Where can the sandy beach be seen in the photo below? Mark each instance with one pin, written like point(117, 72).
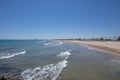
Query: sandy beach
point(90, 64)
point(109, 46)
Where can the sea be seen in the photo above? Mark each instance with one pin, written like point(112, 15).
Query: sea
point(55, 60)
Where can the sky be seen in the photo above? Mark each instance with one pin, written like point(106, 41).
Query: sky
point(48, 19)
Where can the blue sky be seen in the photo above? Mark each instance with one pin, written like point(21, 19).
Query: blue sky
point(45, 19)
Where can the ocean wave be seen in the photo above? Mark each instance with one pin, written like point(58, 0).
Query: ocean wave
point(7, 55)
point(58, 43)
point(46, 44)
point(53, 43)
point(48, 72)
point(65, 54)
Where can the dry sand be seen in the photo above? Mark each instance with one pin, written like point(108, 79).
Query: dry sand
point(110, 46)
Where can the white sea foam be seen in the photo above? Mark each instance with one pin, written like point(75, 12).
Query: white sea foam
point(7, 55)
point(65, 54)
point(58, 43)
point(48, 72)
point(46, 44)
point(53, 43)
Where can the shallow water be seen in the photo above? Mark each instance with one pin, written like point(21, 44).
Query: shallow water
point(51, 60)
point(33, 59)
point(90, 64)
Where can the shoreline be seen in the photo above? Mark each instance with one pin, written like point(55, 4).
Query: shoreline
point(81, 64)
point(108, 46)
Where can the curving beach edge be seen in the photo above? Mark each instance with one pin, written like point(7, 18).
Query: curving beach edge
point(107, 46)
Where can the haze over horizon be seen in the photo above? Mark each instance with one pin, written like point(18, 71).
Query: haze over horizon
point(47, 19)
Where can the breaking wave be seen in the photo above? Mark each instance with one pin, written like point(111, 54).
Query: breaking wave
point(46, 44)
point(58, 43)
point(65, 54)
point(7, 55)
point(53, 43)
point(48, 72)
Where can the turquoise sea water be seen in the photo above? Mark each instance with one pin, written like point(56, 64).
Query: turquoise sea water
point(51, 60)
point(33, 59)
